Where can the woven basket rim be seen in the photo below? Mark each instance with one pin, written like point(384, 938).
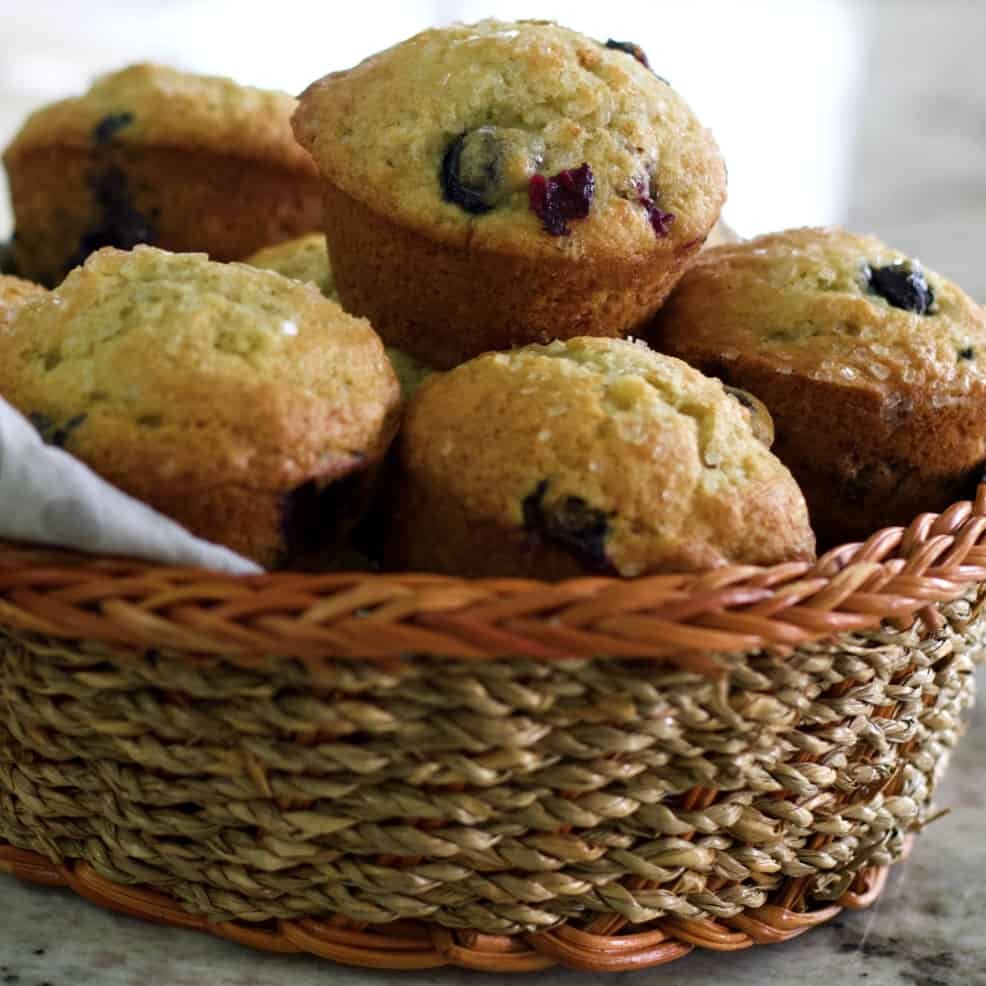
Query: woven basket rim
point(897, 575)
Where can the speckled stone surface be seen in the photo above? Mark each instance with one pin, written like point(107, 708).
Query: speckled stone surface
point(928, 929)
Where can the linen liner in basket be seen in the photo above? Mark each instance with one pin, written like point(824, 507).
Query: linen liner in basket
point(411, 771)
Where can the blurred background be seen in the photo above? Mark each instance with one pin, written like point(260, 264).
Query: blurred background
point(870, 113)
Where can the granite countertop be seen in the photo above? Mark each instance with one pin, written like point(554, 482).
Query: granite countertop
point(926, 930)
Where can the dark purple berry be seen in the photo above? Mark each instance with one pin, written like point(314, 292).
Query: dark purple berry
point(471, 190)
point(635, 51)
point(110, 126)
point(120, 224)
point(52, 433)
point(902, 285)
point(659, 219)
point(631, 49)
point(570, 524)
point(968, 353)
point(567, 195)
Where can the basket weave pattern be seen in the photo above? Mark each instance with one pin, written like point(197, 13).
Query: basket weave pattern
point(751, 753)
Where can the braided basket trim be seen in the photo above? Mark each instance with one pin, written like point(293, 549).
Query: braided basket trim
point(897, 574)
point(408, 945)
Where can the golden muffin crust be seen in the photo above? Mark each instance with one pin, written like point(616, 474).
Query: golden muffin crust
point(873, 368)
point(154, 105)
point(380, 132)
point(304, 258)
point(15, 292)
point(214, 392)
point(591, 455)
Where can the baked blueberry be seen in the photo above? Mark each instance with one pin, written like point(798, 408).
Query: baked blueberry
point(902, 285)
point(53, 433)
point(120, 223)
point(570, 523)
point(967, 353)
point(110, 126)
point(660, 220)
point(483, 166)
point(567, 195)
point(631, 49)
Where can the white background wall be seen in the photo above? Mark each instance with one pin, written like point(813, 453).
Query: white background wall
point(871, 112)
point(787, 145)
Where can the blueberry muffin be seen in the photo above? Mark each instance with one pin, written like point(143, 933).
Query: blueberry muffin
point(497, 184)
point(153, 155)
point(14, 292)
point(873, 368)
point(244, 405)
point(307, 259)
point(590, 455)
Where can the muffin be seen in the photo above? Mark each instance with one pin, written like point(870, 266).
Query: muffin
point(497, 184)
point(873, 369)
point(303, 258)
point(14, 292)
point(153, 155)
point(590, 455)
point(245, 406)
point(306, 259)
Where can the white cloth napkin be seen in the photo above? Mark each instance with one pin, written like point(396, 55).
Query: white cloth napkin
point(49, 497)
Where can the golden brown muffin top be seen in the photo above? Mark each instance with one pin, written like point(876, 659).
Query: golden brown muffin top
point(494, 103)
point(154, 105)
point(657, 467)
point(305, 258)
point(14, 292)
point(177, 370)
point(831, 305)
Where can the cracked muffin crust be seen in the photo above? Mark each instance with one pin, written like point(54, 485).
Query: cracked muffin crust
point(500, 183)
point(591, 455)
point(873, 368)
point(153, 155)
point(15, 292)
point(242, 404)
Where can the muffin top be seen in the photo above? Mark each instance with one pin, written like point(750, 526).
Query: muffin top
point(304, 258)
point(173, 369)
point(307, 259)
point(629, 460)
point(14, 292)
point(834, 306)
point(481, 134)
point(150, 104)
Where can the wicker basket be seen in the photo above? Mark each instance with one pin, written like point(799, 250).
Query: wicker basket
point(406, 772)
